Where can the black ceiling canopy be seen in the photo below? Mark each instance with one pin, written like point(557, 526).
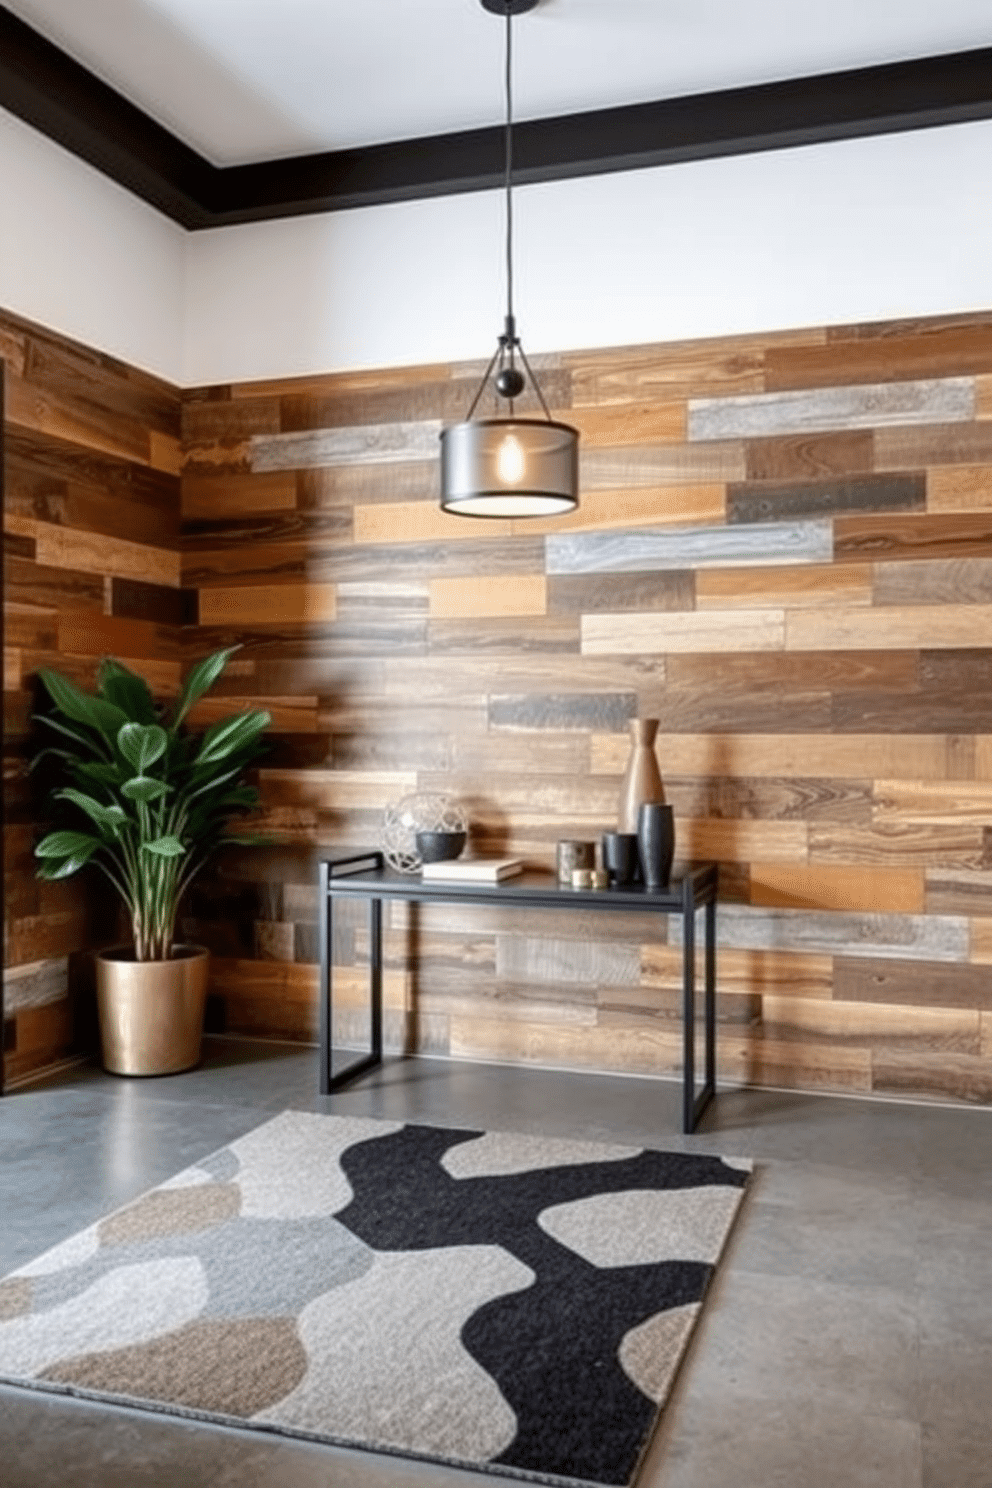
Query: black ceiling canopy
point(47, 89)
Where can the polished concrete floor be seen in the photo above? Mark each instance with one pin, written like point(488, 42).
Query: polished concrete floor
point(847, 1339)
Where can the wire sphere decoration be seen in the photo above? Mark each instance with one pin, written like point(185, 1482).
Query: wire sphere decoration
point(419, 812)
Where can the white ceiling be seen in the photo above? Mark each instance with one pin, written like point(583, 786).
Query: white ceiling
point(248, 80)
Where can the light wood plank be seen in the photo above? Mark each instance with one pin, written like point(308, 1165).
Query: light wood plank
point(645, 1050)
point(375, 444)
point(164, 452)
point(662, 465)
point(832, 933)
point(816, 586)
point(417, 522)
point(740, 841)
point(932, 802)
point(755, 1059)
point(675, 631)
point(872, 1025)
point(646, 422)
point(896, 844)
point(510, 594)
point(983, 397)
point(917, 626)
point(335, 789)
point(871, 406)
point(981, 941)
point(632, 506)
point(983, 757)
point(12, 673)
point(268, 604)
point(584, 963)
point(822, 886)
point(700, 547)
point(790, 756)
point(959, 488)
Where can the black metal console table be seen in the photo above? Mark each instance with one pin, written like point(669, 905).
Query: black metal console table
point(363, 876)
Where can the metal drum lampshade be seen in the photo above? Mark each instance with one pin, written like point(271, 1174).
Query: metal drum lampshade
point(511, 467)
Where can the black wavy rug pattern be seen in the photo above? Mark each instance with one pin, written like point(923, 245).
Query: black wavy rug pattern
point(552, 1349)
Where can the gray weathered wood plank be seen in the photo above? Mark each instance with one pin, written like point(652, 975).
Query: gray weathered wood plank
point(871, 406)
point(697, 547)
point(909, 937)
point(582, 962)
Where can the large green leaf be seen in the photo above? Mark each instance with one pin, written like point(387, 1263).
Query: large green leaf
point(200, 680)
point(126, 690)
point(141, 744)
point(145, 788)
point(67, 845)
point(52, 868)
point(106, 774)
point(79, 706)
point(164, 847)
point(229, 734)
point(109, 819)
point(85, 741)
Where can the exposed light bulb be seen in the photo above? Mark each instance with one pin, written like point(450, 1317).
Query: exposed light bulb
point(510, 462)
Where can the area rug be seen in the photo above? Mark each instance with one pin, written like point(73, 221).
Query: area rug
point(507, 1303)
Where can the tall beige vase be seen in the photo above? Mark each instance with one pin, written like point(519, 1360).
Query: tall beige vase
point(151, 1012)
point(642, 778)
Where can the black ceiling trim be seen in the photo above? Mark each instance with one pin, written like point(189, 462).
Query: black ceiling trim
point(42, 85)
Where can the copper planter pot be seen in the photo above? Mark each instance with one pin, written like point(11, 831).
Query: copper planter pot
point(151, 1012)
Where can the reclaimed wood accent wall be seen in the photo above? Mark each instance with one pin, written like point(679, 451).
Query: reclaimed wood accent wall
point(783, 552)
point(91, 567)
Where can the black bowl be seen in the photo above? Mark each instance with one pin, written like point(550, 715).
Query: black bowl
point(439, 847)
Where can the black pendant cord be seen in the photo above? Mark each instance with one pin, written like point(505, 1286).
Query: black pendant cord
point(508, 179)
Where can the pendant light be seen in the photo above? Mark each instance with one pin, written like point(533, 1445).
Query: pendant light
point(509, 466)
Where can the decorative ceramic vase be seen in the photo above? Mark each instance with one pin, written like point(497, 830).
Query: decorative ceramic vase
point(151, 1012)
point(642, 778)
point(656, 844)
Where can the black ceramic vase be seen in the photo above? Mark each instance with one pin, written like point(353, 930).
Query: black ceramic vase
point(656, 844)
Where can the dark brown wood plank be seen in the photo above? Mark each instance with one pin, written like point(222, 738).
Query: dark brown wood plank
point(877, 539)
point(809, 456)
point(782, 501)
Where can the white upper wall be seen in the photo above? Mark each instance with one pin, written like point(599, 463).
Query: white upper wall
point(873, 229)
point(84, 257)
point(870, 229)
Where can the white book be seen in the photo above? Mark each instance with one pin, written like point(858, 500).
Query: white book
point(472, 870)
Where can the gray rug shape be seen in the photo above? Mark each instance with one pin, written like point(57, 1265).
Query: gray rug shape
point(508, 1303)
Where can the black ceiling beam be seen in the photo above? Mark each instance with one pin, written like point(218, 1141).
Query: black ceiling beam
point(43, 86)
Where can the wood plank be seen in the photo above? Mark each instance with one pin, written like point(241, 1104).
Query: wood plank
point(756, 1059)
point(12, 669)
point(814, 585)
point(345, 486)
point(959, 488)
point(268, 604)
point(792, 500)
point(607, 711)
point(959, 891)
point(164, 453)
point(633, 506)
point(464, 598)
point(790, 756)
point(573, 594)
point(43, 411)
point(959, 1077)
point(616, 467)
point(983, 397)
point(983, 757)
point(132, 599)
point(376, 444)
point(701, 547)
point(869, 406)
point(832, 933)
point(702, 838)
point(876, 1026)
point(981, 942)
point(83, 634)
point(237, 495)
point(582, 963)
point(946, 352)
point(809, 799)
point(895, 626)
point(295, 715)
point(936, 581)
point(934, 444)
point(780, 674)
point(673, 631)
point(933, 802)
point(216, 420)
point(742, 973)
point(898, 844)
point(823, 886)
point(557, 635)
point(677, 369)
point(647, 1050)
point(86, 552)
point(912, 984)
point(646, 422)
point(876, 539)
point(332, 790)
point(42, 1037)
point(35, 984)
point(416, 522)
point(809, 456)
point(39, 587)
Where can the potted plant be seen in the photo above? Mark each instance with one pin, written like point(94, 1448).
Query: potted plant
point(154, 801)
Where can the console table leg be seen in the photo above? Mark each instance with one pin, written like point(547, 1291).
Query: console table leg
point(688, 1007)
point(324, 918)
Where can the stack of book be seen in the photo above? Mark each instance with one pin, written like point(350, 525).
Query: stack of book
point(472, 870)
